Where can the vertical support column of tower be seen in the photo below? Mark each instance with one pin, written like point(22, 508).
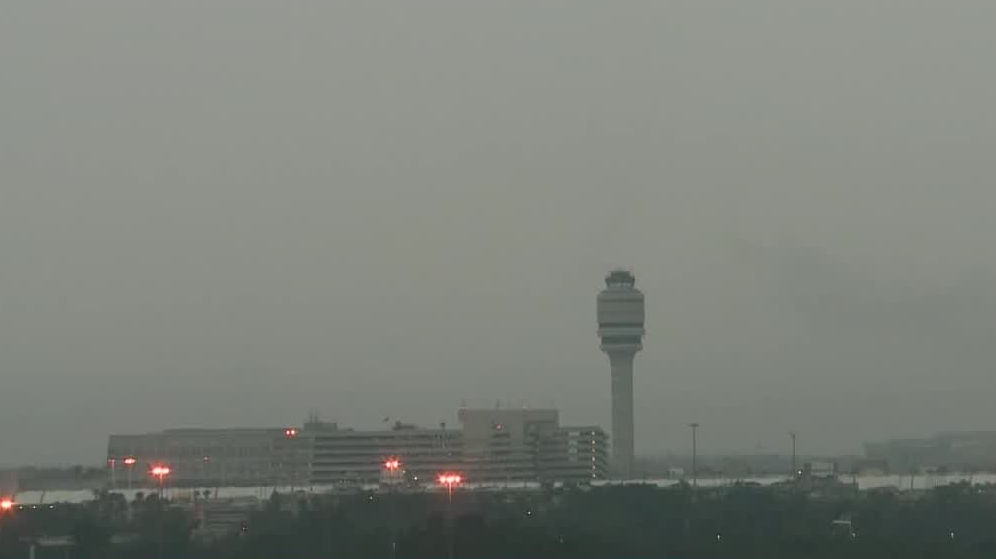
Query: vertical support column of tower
point(621, 365)
point(621, 329)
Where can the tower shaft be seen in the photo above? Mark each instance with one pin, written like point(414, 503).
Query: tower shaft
point(621, 364)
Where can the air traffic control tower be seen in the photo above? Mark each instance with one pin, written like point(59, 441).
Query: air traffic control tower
point(620, 326)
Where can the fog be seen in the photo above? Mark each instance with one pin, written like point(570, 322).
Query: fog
point(228, 213)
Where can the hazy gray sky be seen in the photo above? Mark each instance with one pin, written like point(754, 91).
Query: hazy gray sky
point(226, 213)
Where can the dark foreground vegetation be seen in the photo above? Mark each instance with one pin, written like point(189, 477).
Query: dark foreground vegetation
point(606, 523)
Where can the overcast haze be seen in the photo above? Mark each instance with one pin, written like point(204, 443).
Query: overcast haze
point(226, 213)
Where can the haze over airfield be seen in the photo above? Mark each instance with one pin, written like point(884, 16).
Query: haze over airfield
point(227, 213)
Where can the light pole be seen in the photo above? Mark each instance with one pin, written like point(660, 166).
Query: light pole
point(129, 463)
point(795, 471)
point(5, 505)
point(161, 472)
point(393, 465)
point(204, 468)
point(695, 472)
point(449, 480)
point(290, 434)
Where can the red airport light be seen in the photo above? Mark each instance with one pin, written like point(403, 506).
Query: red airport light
point(290, 433)
point(160, 471)
point(450, 479)
point(392, 464)
point(129, 461)
point(6, 504)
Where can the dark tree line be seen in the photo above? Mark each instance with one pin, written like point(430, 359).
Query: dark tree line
point(634, 521)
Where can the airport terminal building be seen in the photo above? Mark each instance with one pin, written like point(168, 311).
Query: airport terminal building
point(211, 457)
point(959, 451)
point(491, 446)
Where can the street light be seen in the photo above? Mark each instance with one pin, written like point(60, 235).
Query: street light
point(794, 470)
point(5, 505)
point(695, 481)
point(204, 469)
point(393, 465)
point(161, 472)
point(129, 463)
point(450, 480)
point(289, 433)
